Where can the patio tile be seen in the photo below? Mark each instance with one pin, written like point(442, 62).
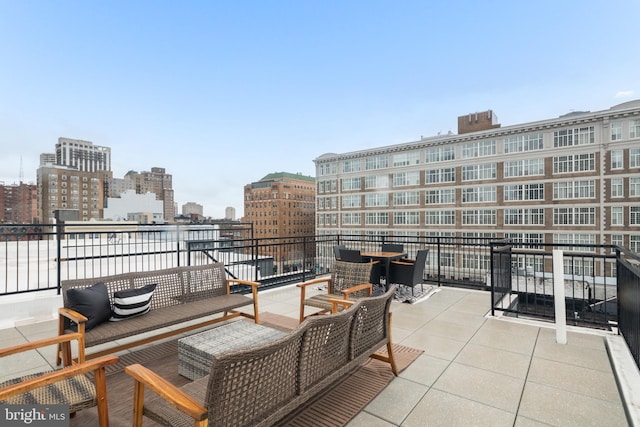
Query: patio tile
point(584, 340)
point(442, 409)
point(365, 419)
point(563, 408)
point(573, 355)
point(425, 370)
point(460, 318)
point(594, 383)
point(490, 388)
point(21, 364)
point(447, 329)
point(528, 422)
point(492, 359)
point(397, 400)
point(433, 345)
point(506, 339)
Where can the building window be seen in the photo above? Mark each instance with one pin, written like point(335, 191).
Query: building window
point(574, 216)
point(572, 137)
point(378, 162)
point(530, 238)
point(350, 184)
point(617, 159)
point(406, 159)
point(524, 216)
point(520, 143)
point(479, 217)
point(478, 149)
point(406, 218)
point(524, 167)
point(405, 198)
point(439, 154)
point(377, 218)
point(574, 163)
point(376, 181)
point(634, 158)
point(616, 131)
point(351, 166)
point(479, 194)
point(479, 172)
point(584, 189)
point(441, 196)
point(576, 239)
point(440, 217)
point(351, 218)
point(518, 192)
point(617, 215)
point(376, 199)
point(634, 128)
point(617, 187)
point(350, 201)
point(617, 239)
point(435, 176)
point(402, 179)
point(634, 187)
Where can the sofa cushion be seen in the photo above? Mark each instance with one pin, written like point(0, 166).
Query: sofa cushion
point(132, 302)
point(92, 302)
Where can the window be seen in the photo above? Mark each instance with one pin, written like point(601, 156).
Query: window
point(519, 192)
point(584, 189)
point(351, 166)
point(377, 218)
point(576, 239)
point(617, 239)
point(376, 181)
point(406, 159)
point(479, 172)
point(571, 137)
point(479, 194)
point(616, 131)
point(350, 184)
point(478, 149)
point(401, 179)
point(351, 218)
point(442, 196)
point(530, 238)
point(634, 128)
point(406, 218)
point(524, 167)
point(378, 162)
point(440, 217)
point(439, 154)
point(351, 201)
point(520, 143)
point(479, 217)
point(617, 187)
point(634, 158)
point(376, 199)
point(574, 163)
point(574, 216)
point(634, 187)
point(617, 215)
point(634, 215)
point(524, 216)
point(405, 198)
point(634, 243)
point(616, 159)
point(440, 175)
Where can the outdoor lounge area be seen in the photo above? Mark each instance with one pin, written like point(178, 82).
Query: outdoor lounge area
point(466, 368)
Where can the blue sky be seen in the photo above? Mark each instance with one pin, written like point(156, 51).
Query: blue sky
point(223, 93)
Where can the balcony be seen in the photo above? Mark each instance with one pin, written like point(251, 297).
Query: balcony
point(476, 368)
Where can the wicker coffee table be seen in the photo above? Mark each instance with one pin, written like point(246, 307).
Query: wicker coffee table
point(195, 351)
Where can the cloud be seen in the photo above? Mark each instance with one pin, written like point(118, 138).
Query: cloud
point(624, 94)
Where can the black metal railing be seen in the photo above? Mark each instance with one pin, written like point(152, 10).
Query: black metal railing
point(628, 306)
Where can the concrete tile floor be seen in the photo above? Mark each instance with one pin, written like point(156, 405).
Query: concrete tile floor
point(475, 369)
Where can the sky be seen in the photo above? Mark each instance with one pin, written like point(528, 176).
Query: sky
point(222, 93)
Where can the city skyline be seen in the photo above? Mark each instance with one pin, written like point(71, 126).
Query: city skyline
point(221, 95)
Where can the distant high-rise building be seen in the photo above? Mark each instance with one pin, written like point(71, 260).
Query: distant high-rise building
point(230, 213)
point(191, 208)
point(82, 155)
point(19, 203)
point(158, 182)
point(47, 159)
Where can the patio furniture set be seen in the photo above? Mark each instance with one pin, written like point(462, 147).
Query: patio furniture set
point(243, 373)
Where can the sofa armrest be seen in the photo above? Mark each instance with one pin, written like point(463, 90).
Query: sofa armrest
point(72, 315)
point(177, 398)
point(335, 302)
point(254, 294)
point(365, 286)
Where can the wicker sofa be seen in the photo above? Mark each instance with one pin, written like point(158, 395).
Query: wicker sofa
point(261, 385)
point(191, 294)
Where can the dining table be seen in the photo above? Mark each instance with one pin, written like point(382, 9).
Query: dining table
point(385, 258)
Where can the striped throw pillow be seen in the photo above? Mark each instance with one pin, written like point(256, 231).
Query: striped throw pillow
point(132, 302)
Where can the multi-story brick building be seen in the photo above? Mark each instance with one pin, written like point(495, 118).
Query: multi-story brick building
point(571, 179)
point(19, 203)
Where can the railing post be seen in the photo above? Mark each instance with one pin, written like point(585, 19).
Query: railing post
point(59, 229)
point(558, 293)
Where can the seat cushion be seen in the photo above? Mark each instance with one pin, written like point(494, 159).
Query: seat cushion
point(92, 302)
point(132, 302)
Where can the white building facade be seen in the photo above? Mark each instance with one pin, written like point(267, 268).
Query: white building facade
point(143, 208)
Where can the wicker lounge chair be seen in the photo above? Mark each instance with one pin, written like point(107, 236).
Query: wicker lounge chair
point(67, 386)
point(348, 279)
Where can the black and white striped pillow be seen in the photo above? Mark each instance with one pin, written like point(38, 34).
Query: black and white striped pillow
point(132, 302)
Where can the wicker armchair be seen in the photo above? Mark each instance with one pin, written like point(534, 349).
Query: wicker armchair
point(348, 279)
point(67, 386)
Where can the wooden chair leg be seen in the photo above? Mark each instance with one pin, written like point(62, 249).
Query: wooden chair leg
point(101, 396)
point(138, 403)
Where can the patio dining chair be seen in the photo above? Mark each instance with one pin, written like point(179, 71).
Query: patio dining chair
point(66, 386)
point(392, 247)
point(354, 255)
point(409, 272)
point(347, 280)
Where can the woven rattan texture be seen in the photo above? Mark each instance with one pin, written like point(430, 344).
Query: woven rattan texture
point(343, 276)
